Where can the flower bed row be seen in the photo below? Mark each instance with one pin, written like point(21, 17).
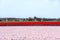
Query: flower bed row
point(29, 23)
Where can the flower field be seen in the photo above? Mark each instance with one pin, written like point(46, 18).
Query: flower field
point(29, 23)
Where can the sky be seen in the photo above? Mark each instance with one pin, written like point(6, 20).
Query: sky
point(30, 8)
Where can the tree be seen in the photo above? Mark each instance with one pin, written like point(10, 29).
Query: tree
point(30, 19)
point(35, 17)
